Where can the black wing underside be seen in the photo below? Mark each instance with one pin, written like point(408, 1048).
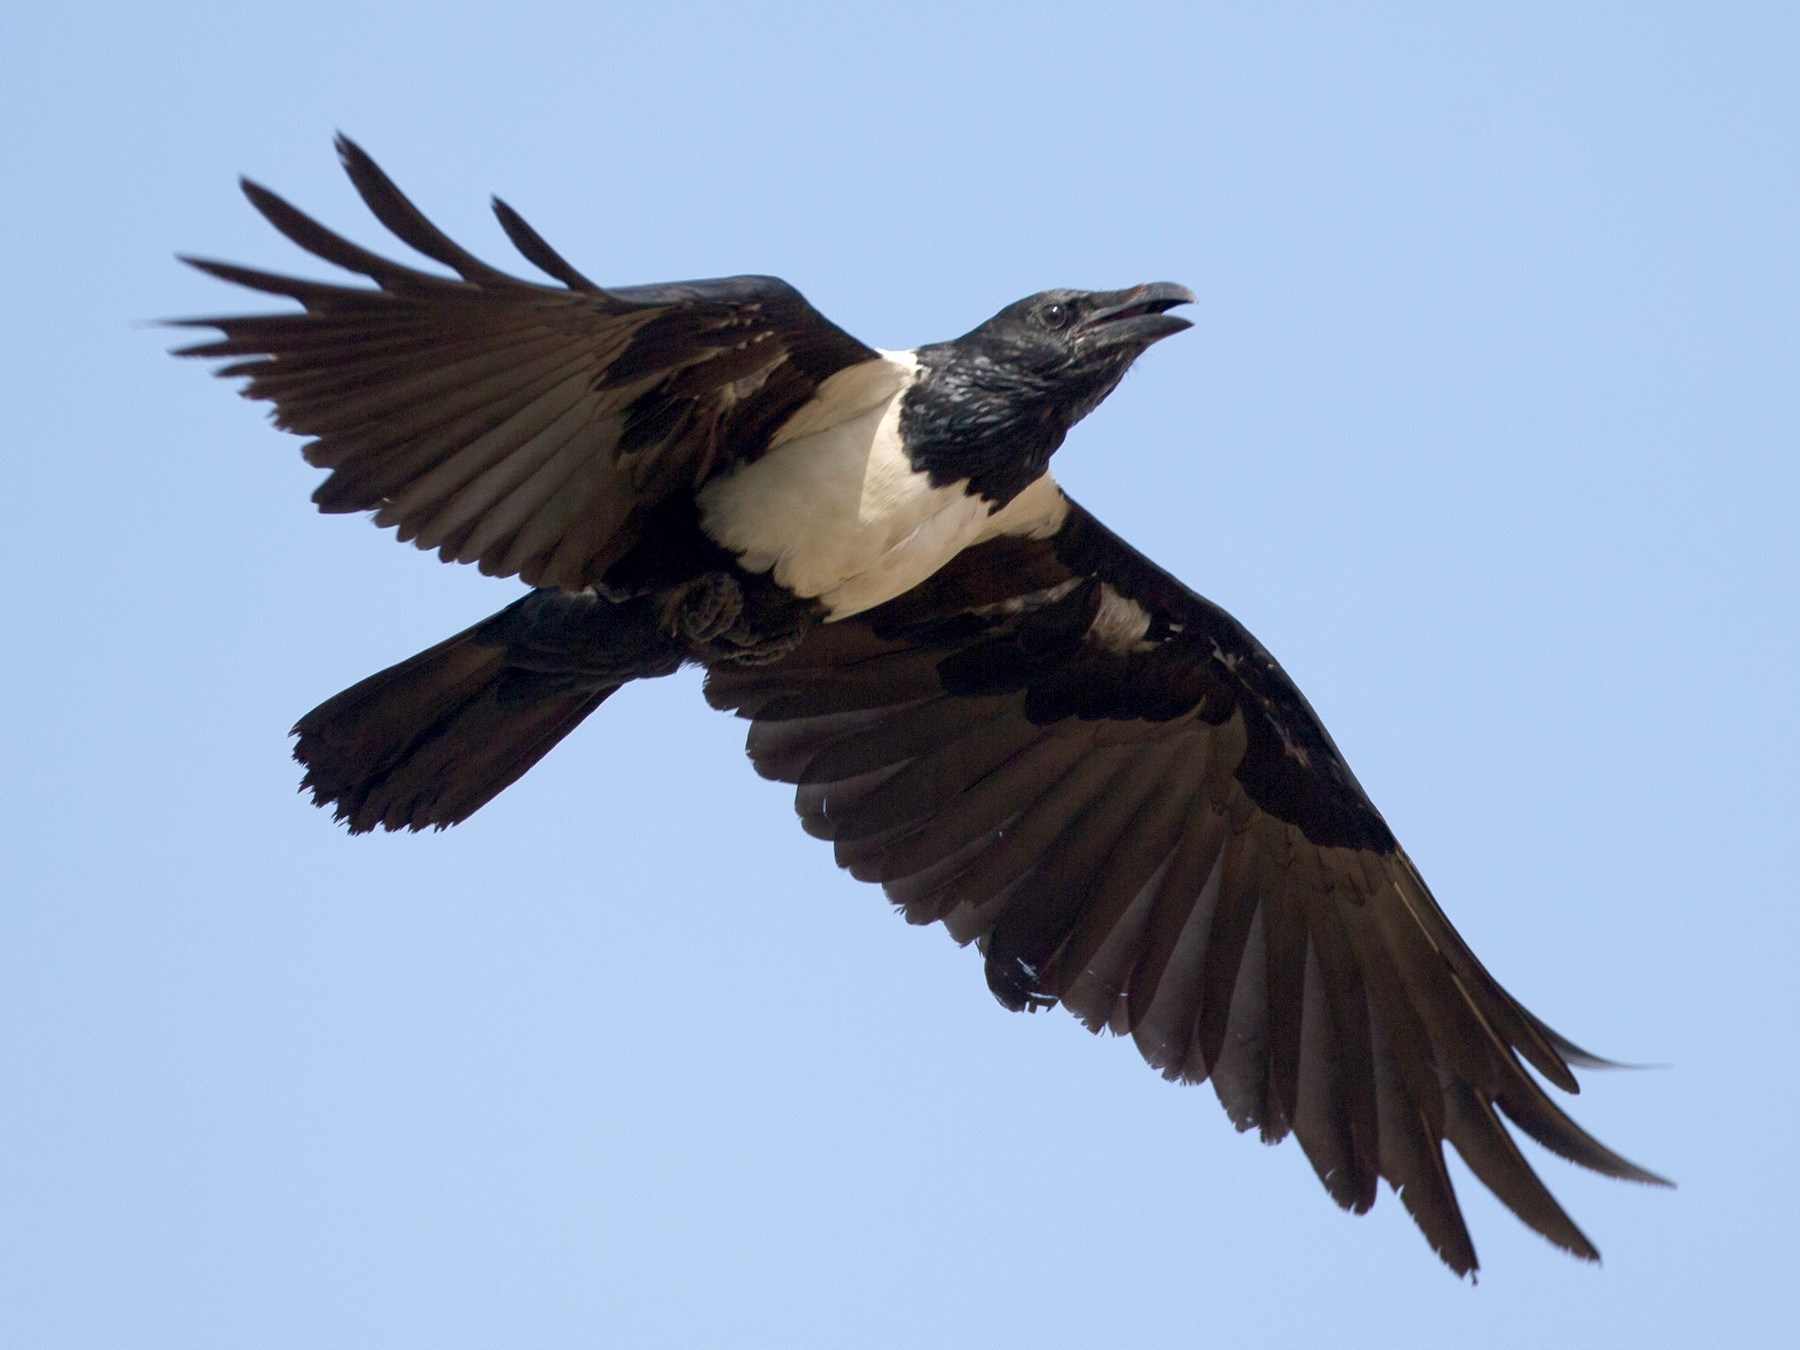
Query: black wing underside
point(1066, 757)
point(528, 428)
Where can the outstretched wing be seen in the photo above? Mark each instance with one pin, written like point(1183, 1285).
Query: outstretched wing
point(1102, 779)
point(528, 428)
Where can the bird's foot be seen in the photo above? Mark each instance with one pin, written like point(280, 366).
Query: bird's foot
point(712, 614)
point(762, 651)
point(708, 607)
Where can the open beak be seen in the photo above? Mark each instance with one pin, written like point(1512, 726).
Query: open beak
point(1139, 315)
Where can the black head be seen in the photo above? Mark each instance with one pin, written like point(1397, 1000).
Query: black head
point(997, 402)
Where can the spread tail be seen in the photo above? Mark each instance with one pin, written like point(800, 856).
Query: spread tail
point(430, 741)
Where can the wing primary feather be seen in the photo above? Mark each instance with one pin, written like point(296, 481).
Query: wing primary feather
point(1347, 1006)
point(1572, 1053)
point(1498, 1007)
point(1412, 1159)
point(1460, 1036)
point(303, 230)
point(308, 382)
point(538, 253)
point(254, 279)
point(395, 210)
point(1321, 1113)
point(1402, 1025)
point(1497, 1163)
point(1285, 943)
point(1527, 1106)
point(1241, 1066)
point(399, 409)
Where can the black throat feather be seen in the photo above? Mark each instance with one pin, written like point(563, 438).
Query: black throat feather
point(984, 415)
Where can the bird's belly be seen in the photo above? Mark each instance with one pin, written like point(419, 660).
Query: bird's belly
point(840, 514)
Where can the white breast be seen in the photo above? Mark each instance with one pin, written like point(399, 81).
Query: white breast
point(836, 510)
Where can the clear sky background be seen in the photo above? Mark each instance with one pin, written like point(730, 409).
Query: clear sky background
point(1488, 429)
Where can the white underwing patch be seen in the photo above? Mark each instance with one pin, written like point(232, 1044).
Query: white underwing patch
point(1120, 623)
point(1034, 600)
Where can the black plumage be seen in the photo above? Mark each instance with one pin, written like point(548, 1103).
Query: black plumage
point(990, 704)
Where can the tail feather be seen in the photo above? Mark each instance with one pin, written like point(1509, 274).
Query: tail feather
point(428, 742)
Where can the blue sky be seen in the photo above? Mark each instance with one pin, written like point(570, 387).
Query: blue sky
point(1487, 429)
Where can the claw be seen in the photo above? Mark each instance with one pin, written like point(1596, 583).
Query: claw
point(709, 606)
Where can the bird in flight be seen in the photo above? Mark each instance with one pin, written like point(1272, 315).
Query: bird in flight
point(988, 702)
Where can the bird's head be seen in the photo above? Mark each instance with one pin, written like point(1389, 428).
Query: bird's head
point(996, 402)
point(1068, 349)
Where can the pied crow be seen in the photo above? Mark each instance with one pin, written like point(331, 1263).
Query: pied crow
point(988, 702)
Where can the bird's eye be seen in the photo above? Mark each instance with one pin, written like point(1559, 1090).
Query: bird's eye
point(1054, 316)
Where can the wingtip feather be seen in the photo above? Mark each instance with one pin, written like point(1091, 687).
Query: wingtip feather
point(536, 251)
